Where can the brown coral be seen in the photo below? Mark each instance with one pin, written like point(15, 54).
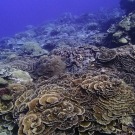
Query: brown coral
point(32, 125)
point(16, 90)
point(87, 105)
point(6, 107)
point(51, 66)
point(21, 103)
point(115, 107)
point(54, 108)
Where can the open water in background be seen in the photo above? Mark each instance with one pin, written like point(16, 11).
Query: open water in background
point(16, 14)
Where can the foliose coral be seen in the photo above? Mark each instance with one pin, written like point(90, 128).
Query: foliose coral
point(89, 105)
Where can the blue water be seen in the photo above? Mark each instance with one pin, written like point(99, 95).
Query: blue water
point(16, 14)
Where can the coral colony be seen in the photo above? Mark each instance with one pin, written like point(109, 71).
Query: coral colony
point(73, 76)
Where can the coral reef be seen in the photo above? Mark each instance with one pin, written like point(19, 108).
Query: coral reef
point(122, 33)
point(23, 63)
point(77, 90)
point(67, 30)
point(77, 57)
point(89, 105)
point(74, 88)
